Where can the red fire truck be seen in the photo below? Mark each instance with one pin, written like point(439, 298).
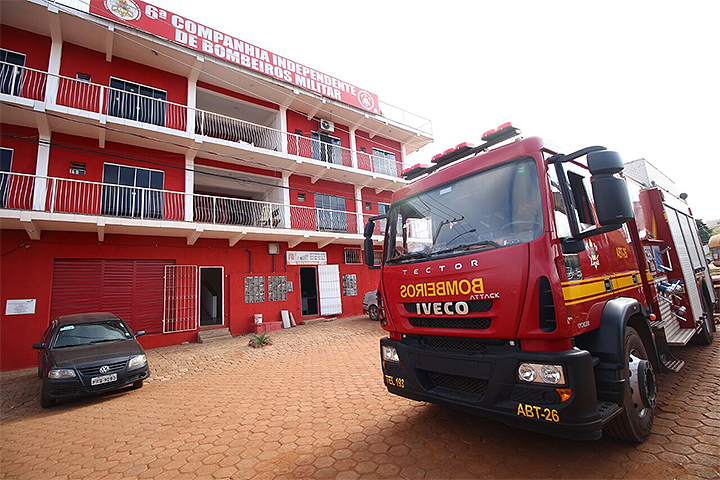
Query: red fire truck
point(526, 285)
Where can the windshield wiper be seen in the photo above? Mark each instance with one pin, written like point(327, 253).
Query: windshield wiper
point(105, 340)
point(409, 256)
point(469, 246)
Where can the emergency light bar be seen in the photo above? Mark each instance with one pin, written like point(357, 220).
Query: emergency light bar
point(492, 137)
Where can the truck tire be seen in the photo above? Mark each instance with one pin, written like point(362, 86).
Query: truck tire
point(373, 312)
point(705, 335)
point(636, 420)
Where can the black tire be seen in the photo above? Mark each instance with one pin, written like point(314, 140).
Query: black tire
point(705, 335)
point(633, 424)
point(373, 312)
point(137, 384)
point(46, 401)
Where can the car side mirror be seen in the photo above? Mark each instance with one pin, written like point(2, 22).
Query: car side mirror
point(39, 346)
point(139, 333)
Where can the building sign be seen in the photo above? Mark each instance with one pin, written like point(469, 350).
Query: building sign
point(154, 20)
point(306, 258)
point(20, 307)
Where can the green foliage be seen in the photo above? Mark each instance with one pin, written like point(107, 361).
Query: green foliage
point(259, 340)
point(705, 232)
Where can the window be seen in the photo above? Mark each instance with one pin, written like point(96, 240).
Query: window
point(368, 205)
point(562, 221)
point(377, 257)
point(353, 256)
point(301, 197)
point(136, 102)
point(331, 214)
point(326, 148)
point(132, 192)
point(254, 289)
point(11, 71)
point(6, 155)
point(83, 77)
point(384, 162)
point(578, 183)
point(277, 288)
point(77, 168)
point(349, 285)
point(382, 210)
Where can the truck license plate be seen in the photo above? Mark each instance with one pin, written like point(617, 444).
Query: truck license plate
point(104, 379)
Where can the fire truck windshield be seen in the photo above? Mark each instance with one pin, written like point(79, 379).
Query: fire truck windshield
point(492, 208)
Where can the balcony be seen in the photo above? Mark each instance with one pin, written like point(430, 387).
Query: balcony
point(80, 98)
point(65, 201)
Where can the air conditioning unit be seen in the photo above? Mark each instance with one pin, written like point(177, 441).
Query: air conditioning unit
point(327, 126)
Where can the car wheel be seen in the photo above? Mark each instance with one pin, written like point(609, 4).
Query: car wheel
point(45, 400)
point(705, 335)
point(137, 384)
point(373, 312)
point(636, 420)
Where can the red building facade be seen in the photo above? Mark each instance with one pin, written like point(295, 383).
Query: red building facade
point(143, 175)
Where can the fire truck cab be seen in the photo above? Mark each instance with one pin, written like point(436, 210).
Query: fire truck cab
point(517, 284)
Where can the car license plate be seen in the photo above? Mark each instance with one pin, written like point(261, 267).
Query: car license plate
point(104, 379)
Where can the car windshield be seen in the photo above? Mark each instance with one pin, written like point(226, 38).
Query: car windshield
point(91, 333)
point(493, 208)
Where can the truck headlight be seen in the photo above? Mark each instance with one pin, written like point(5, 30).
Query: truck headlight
point(541, 373)
point(390, 354)
point(61, 373)
point(137, 361)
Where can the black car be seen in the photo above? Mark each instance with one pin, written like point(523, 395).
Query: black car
point(89, 353)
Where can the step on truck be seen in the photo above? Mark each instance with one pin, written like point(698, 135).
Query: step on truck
point(538, 288)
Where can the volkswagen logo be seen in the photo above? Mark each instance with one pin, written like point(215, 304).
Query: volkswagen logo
point(104, 369)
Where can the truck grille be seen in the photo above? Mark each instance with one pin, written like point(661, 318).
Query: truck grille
point(95, 371)
point(454, 343)
point(450, 322)
point(473, 386)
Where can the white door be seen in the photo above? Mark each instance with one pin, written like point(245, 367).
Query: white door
point(330, 296)
point(182, 306)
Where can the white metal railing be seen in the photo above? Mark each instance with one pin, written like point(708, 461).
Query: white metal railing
point(23, 82)
point(87, 96)
point(60, 195)
point(406, 118)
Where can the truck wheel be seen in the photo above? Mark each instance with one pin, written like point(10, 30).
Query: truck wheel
point(636, 420)
point(705, 335)
point(373, 312)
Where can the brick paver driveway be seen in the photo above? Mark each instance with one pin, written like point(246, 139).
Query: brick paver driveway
point(314, 405)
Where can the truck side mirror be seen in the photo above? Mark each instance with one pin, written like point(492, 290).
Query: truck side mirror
point(369, 252)
point(612, 199)
point(369, 228)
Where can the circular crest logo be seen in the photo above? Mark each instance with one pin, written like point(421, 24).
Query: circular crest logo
point(123, 9)
point(104, 369)
point(366, 100)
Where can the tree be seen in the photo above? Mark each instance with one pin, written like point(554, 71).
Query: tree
point(705, 232)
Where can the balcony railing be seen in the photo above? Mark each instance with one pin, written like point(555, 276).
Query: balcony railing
point(61, 195)
point(100, 99)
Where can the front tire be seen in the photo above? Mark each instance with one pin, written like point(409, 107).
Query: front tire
point(137, 384)
point(636, 420)
point(45, 400)
point(373, 312)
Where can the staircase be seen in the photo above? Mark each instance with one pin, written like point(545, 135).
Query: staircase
point(213, 335)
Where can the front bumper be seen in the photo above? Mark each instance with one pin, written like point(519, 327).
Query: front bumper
point(80, 386)
point(484, 382)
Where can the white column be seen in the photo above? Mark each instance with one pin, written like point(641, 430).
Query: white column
point(359, 208)
point(353, 147)
point(282, 116)
point(189, 184)
point(41, 171)
point(53, 71)
point(286, 199)
point(402, 158)
point(191, 103)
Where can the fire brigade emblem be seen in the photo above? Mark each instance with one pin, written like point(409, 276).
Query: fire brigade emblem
point(593, 254)
point(366, 100)
point(123, 9)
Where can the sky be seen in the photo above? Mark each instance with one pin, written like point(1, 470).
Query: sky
point(641, 78)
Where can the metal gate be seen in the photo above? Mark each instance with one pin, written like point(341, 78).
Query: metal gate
point(181, 305)
point(330, 297)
